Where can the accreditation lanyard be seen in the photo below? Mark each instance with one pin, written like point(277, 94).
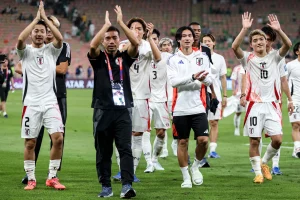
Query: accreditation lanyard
point(5, 80)
point(117, 88)
point(110, 70)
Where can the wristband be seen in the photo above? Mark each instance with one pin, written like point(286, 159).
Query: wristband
point(242, 95)
point(225, 96)
point(193, 77)
point(290, 101)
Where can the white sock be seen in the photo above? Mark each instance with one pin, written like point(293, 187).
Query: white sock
point(157, 148)
point(136, 150)
point(53, 167)
point(117, 157)
point(147, 148)
point(237, 121)
point(29, 167)
point(165, 147)
point(255, 162)
point(275, 159)
point(196, 163)
point(212, 147)
point(270, 153)
point(260, 146)
point(296, 146)
point(185, 173)
point(4, 113)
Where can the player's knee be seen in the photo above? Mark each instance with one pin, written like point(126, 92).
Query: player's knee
point(30, 144)
point(295, 126)
point(160, 133)
point(183, 142)
point(57, 140)
point(213, 123)
point(202, 141)
point(254, 142)
point(137, 133)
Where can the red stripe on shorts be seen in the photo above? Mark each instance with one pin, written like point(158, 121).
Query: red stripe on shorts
point(23, 113)
point(248, 111)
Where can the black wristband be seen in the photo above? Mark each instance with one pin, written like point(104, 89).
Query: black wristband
point(242, 95)
point(193, 77)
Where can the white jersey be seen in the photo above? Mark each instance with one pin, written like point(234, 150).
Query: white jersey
point(189, 95)
point(158, 79)
point(293, 69)
point(219, 69)
point(39, 71)
point(139, 72)
point(261, 76)
point(236, 76)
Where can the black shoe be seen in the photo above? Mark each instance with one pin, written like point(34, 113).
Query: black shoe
point(5, 116)
point(25, 180)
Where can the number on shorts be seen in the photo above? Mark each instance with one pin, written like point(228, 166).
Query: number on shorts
point(253, 121)
point(26, 121)
point(136, 67)
point(155, 74)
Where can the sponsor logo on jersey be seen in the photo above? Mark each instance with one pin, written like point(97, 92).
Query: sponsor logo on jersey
point(40, 60)
point(180, 62)
point(199, 61)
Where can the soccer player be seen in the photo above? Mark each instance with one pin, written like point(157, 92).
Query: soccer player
point(62, 63)
point(262, 112)
point(40, 106)
point(219, 72)
point(237, 75)
point(158, 102)
point(293, 68)
point(282, 84)
point(188, 73)
point(112, 103)
point(5, 86)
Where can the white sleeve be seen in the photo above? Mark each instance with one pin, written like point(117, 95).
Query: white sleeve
point(55, 51)
point(22, 53)
point(175, 77)
point(288, 67)
point(223, 69)
point(282, 68)
point(243, 60)
point(278, 57)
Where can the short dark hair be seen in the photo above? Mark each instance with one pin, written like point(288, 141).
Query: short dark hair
point(296, 48)
point(194, 23)
point(269, 32)
point(113, 28)
point(139, 20)
point(155, 31)
point(42, 22)
point(3, 57)
point(178, 34)
point(211, 37)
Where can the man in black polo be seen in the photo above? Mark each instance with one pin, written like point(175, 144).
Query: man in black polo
point(7, 76)
point(112, 102)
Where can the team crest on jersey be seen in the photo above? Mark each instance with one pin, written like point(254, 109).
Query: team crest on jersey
point(199, 61)
point(40, 60)
point(153, 65)
point(263, 64)
point(117, 61)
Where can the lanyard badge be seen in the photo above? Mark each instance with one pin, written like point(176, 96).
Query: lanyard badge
point(5, 80)
point(117, 88)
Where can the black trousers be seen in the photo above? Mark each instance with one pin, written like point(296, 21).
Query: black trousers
point(62, 103)
point(110, 125)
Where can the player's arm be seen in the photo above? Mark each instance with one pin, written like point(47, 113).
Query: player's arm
point(26, 32)
point(62, 68)
point(58, 42)
point(224, 89)
point(286, 90)
point(18, 68)
point(12, 83)
point(243, 91)
point(275, 25)
point(236, 45)
point(94, 50)
point(64, 60)
point(155, 51)
point(233, 86)
point(133, 47)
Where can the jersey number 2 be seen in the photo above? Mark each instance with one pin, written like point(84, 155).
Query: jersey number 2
point(26, 122)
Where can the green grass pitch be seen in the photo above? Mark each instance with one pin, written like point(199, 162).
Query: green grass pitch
point(228, 178)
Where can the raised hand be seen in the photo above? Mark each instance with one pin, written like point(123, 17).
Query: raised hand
point(107, 21)
point(149, 29)
point(274, 23)
point(246, 20)
point(42, 10)
point(118, 11)
point(38, 15)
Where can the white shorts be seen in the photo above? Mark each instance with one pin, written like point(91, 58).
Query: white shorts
point(261, 116)
point(240, 108)
point(218, 115)
point(159, 115)
point(295, 117)
point(170, 107)
point(34, 117)
point(140, 115)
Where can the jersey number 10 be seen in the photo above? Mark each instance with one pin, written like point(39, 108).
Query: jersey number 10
point(263, 74)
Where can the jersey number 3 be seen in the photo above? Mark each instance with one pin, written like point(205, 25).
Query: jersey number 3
point(155, 74)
